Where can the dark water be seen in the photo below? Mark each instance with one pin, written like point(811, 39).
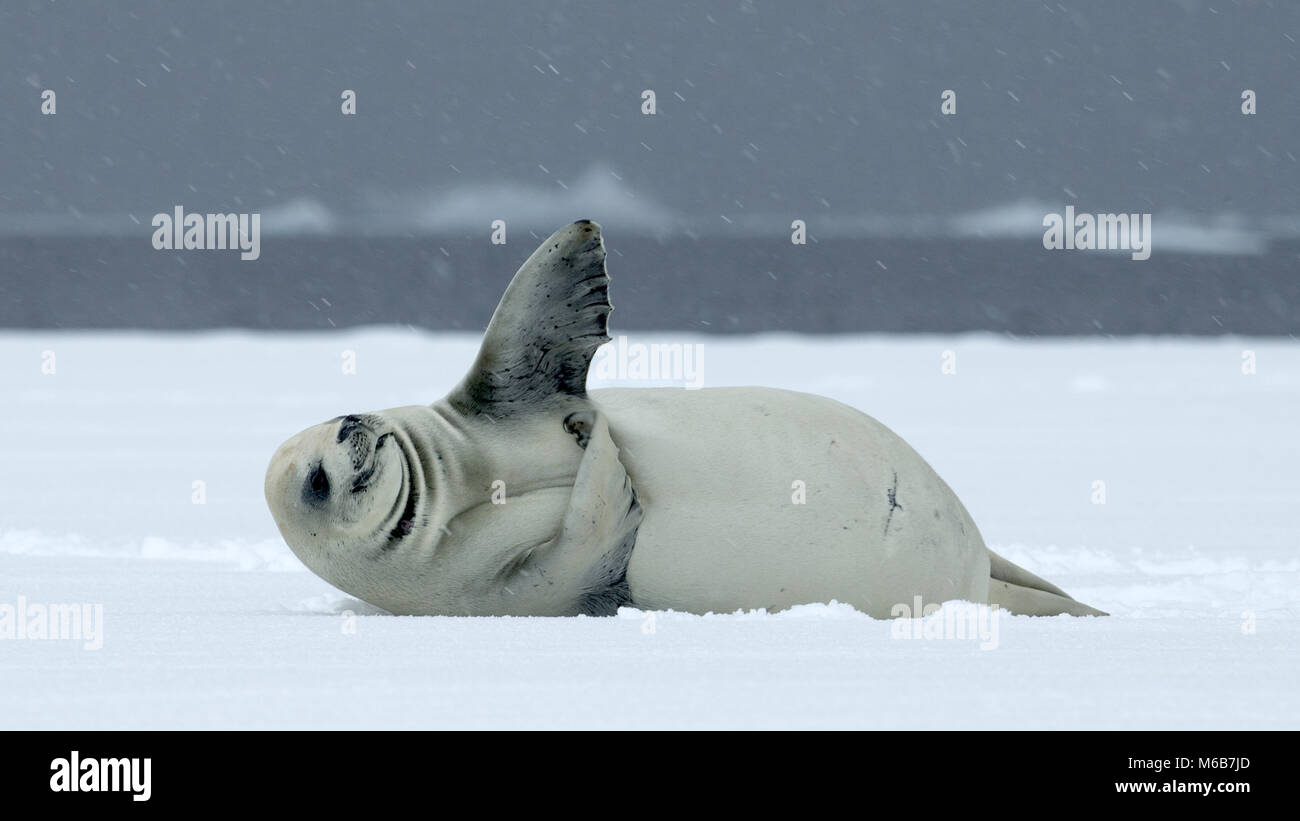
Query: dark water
point(704, 285)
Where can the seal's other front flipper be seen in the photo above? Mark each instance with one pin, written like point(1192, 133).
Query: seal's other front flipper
point(548, 325)
point(544, 552)
point(600, 526)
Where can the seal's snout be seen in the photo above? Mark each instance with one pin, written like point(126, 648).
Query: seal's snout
point(349, 425)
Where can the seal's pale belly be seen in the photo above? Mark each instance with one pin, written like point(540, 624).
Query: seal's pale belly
point(716, 471)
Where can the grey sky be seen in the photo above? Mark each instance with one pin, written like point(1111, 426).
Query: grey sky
point(808, 108)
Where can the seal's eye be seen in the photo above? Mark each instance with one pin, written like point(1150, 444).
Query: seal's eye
point(318, 484)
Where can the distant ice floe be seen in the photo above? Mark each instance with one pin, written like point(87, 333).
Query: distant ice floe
point(600, 193)
point(1171, 231)
point(298, 217)
point(597, 195)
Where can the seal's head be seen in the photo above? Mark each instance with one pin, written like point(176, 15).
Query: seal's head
point(336, 483)
point(507, 496)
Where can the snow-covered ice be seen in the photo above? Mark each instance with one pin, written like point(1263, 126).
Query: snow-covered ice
point(209, 621)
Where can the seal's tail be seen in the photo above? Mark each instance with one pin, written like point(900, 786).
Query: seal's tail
point(1025, 594)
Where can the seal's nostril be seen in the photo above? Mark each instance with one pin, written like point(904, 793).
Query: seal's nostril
point(347, 425)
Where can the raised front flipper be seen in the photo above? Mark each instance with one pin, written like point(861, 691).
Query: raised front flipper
point(548, 325)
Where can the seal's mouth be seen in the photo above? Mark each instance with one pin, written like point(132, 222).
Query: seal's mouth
point(371, 468)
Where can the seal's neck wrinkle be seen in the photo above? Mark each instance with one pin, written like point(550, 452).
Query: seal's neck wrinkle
point(434, 474)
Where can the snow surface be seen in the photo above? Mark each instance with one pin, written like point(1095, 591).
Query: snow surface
point(210, 621)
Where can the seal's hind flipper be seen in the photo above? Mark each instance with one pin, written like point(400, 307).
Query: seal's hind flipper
point(1030, 601)
point(1025, 594)
point(548, 325)
point(1001, 569)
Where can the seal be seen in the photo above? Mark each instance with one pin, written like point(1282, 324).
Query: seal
point(520, 493)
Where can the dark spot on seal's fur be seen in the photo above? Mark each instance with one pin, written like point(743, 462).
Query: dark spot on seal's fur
point(579, 425)
point(892, 494)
